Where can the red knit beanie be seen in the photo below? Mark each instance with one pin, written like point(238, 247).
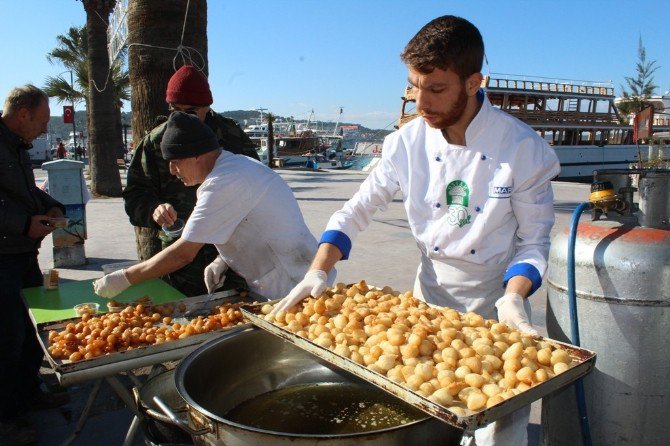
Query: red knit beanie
point(188, 86)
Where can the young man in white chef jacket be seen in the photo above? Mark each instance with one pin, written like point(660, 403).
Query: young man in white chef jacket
point(243, 208)
point(475, 183)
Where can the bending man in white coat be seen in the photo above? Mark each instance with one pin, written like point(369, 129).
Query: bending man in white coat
point(243, 208)
point(475, 183)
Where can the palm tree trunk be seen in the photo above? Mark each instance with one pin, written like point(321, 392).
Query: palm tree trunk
point(158, 24)
point(103, 139)
point(147, 243)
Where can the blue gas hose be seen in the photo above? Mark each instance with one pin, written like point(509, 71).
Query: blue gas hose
point(574, 326)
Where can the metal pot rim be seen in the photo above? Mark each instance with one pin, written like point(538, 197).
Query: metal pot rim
point(179, 377)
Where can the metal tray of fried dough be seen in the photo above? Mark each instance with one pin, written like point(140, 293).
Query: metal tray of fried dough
point(582, 363)
point(69, 372)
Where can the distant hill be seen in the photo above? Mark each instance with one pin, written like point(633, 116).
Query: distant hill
point(251, 116)
point(243, 117)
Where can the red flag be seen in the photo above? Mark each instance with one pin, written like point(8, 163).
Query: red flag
point(68, 114)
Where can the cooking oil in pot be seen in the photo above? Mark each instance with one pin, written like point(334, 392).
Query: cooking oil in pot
point(324, 409)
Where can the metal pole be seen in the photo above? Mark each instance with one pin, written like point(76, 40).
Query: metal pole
point(74, 127)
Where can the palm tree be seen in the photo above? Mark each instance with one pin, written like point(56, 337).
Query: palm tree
point(72, 53)
point(271, 139)
point(154, 26)
point(641, 86)
point(104, 139)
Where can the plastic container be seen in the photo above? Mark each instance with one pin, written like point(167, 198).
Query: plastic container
point(175, 230)
point(50, 279)
point(86, 308)
point(115, 307)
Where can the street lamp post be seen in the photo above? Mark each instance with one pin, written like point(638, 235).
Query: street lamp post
point(74, 126)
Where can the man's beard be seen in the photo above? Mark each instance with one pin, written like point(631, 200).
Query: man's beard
point(453, 115)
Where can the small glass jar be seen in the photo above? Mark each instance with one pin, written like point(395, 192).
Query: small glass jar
point(50, 279)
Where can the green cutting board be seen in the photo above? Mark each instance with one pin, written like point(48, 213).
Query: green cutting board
point(56, 305)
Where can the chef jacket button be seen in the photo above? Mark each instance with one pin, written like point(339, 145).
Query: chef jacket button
point(437, 158)
point(437, 205)
point(483, 157)
point(472, 251)
point(477, 209)
point(436, 249)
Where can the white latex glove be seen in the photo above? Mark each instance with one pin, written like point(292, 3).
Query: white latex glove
point(112, 284)
point(215, 274)
point(314, 283)
point(511, 311)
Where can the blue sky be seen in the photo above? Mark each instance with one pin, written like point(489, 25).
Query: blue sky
point(294, 56)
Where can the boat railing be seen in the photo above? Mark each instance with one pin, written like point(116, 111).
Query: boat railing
point(539, 116)
point(540, 84)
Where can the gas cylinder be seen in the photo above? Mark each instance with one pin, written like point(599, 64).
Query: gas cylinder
point(622, 285)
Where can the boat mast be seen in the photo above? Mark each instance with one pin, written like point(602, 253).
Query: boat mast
point(309, 119)
point(261, 110)
point(338, 122)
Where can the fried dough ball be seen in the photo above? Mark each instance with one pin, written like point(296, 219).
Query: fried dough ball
point(559, 355)
point(386, 362)
point(491, 389)
point(495, 399)
point(446, 377)
point(442, 397)
point(473, 363)
point(462, 371)
point(560, 367)
point(474, 380)
point(476, 401)
point(525, 375)
point(544, 356)
point(426, 389)
point(541, 375)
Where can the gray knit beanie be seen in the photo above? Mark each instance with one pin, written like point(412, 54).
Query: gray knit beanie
point(186, 136)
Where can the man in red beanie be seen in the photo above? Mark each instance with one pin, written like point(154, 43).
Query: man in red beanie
point(155, 199)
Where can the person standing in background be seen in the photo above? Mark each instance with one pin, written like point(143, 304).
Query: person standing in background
point(61, 152)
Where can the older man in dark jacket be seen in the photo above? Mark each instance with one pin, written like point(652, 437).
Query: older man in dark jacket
point(25, 212)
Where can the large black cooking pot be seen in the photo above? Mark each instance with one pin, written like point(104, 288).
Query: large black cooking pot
point(248, 362)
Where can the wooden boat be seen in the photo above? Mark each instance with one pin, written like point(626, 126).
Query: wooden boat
point(578, 119)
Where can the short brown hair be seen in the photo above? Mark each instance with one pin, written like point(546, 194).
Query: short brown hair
point(446, 42)
point(27, 96)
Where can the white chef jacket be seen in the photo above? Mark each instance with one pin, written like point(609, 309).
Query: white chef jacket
point(251, 215)
point(484, 209)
